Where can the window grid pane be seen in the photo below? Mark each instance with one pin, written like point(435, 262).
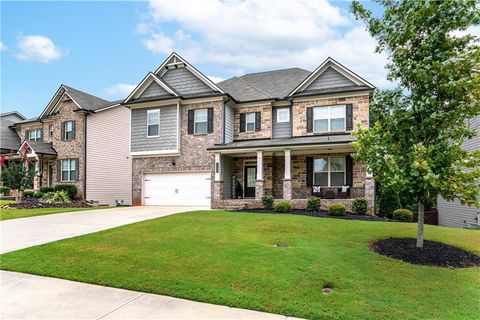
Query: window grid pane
point(201, 115)
point(153, 117)
point(152, 130)
point(200, 127)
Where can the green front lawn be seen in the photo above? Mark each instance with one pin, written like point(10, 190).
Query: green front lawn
point(231, 259)
point(7, 214)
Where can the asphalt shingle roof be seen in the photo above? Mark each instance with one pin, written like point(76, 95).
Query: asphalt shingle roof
point(9, 138)
point(86, 100)
point(42, 147)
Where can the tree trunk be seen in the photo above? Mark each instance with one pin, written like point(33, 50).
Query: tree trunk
point(421, 211)
point(18, 196)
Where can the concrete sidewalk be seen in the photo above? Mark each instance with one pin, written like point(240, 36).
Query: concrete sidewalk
point(27, 232)
point(25, 296)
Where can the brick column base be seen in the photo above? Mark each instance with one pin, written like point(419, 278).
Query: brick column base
point(259, 190)
point(287, 189)
point(370, 195)
point(217, 190)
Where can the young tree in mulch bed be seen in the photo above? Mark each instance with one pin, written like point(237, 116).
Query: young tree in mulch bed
point(415, 144)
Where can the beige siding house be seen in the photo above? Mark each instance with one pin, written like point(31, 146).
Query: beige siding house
point(109, 165)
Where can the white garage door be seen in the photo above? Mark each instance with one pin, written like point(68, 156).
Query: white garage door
point(186, 188)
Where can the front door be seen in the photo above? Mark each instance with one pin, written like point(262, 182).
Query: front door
point(50, 173)
point(249, 181)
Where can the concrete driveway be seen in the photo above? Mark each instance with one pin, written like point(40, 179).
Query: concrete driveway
point(27, 296)
point(26, 232)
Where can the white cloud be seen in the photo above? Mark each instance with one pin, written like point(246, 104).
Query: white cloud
point(254, 35)
point(2, 46)
point(216, 79)
point(38, 49)
point(121, 90)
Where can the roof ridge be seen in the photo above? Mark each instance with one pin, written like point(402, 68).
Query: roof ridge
point(276, 70)
point(258, 89)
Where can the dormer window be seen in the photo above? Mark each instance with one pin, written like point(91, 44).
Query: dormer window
point(34, 135)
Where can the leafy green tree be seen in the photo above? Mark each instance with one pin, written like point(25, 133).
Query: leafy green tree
point(415, 145)
point(18, 177)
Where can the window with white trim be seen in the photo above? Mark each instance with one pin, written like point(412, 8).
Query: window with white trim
point(153, 123)
point(201, 121)
point(283, 115)
point(68, 130)
point(330, 118)
point(35, 134)
point(250, 122)
point(69, 170)
point(329, 172)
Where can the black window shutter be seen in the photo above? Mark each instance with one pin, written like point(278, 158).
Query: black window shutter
point(349, 170)
point(191, 119)
point(258, 121)
point(210, 120)
point(310, 119)
point(309, 171)
point(59, 170)
point(242, 122)
point(77, 165)
point(73, 130)
point(349, 117)
point(62, 129)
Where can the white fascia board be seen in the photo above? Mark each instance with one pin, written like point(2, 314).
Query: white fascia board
point(161, 70)
point(107, 108)
point(326, 148)
point(52, 100)
point(329, 62)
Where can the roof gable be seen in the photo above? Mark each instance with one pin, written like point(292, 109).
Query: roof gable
point(156, 87)
point(185, 82)
point(175, 61)
point(331, 74)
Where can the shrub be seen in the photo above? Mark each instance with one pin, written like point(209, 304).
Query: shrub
point(388, 202)
point(4, 190)
point(283, 206)
point(267, 202)
point(70, 189)
point(47, 189)
point(359, 206)
point(313, 203)
point(56, 197)
point(403, 215)
point(336, 209)
point(28, 193)
point(38, 194)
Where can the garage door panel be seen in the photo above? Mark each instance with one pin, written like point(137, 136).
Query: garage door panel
point(185, 188)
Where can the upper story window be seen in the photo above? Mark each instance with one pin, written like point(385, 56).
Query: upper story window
point(153, 123)
point(283, 115)
point(69, 169)
point(35, 134)
point(68, 130)
point(329, 172)
point(201, 121)
point(50, 130)
point(250, 122)
point(330, 118)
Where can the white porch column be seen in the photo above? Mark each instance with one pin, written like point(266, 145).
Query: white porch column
point(287, 180)
point(218, 167)
point(260, 165)
point(288, 174)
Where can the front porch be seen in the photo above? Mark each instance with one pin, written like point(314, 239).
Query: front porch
point(293, 174)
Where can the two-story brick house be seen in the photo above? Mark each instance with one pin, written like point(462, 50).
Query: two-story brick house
point(74, 132)
point(285, 133)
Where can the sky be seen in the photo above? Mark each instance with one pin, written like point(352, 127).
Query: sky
point(106, 48)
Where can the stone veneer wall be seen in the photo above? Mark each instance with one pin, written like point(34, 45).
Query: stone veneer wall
point(193, 154)
point(266, 127)
point(360, 107)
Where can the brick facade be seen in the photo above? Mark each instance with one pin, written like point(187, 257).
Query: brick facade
point(266, 126)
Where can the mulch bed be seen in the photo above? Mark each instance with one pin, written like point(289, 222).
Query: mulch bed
point(433, 253)
point(322, 214)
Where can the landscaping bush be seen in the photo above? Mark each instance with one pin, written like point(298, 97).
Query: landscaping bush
point(359, 206)
point(70, 189)
point(336, 209)
point(56, 197)
point(267, 202)
point(313, 204)
point(4, 190)
point(38, 194)
point(28, 193)
point(283, 206)
point(388, 202)
point(47, 189)
point(403, 215)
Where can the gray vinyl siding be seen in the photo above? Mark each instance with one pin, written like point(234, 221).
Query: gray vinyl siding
point(185, 82)
point(167, 139)
point(330, 79)
point(154, 90)
point(283, 129)
point(227, 177)
point(229, 122)
point(453, 214)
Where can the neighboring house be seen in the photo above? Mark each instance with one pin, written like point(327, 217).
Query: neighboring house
point(453, 213)
point(285, 133)
point(9, 139)
point(83, 140)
